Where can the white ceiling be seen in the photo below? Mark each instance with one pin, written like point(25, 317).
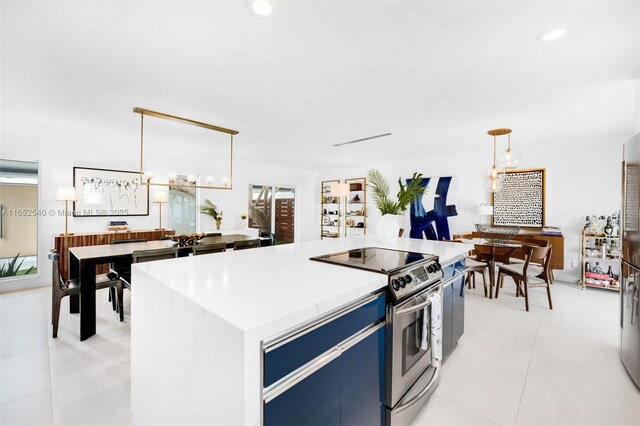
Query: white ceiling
point(435, 74)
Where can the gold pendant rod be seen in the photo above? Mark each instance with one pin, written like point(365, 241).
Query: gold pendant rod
point(149, 112)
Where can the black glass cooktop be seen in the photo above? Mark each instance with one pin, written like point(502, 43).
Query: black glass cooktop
point(375, 259)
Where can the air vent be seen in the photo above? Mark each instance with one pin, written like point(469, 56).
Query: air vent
point(363, 139)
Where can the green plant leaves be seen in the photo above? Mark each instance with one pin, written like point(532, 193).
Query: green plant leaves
point(407, 193)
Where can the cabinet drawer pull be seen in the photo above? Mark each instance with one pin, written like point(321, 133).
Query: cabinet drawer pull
point(316, 364)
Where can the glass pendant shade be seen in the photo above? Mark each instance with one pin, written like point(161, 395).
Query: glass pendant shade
point(510, 159)
point(494, 184)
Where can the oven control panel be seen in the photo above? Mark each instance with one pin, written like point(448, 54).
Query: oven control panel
point(411, 279)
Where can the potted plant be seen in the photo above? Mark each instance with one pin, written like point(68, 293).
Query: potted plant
point(243, 219)
point(389, 225)
point(211, 209)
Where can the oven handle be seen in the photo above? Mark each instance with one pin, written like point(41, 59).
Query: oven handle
point(403, 406)
point(415, 308)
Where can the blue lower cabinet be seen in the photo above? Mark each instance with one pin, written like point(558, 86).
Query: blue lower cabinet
point(457, 296)
point(363, 382)
point(453, 308)
point(348, 390)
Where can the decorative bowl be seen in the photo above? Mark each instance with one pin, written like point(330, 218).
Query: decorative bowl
point(497, 233)
point(186, 239)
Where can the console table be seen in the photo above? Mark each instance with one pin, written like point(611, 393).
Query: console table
point(557, 243)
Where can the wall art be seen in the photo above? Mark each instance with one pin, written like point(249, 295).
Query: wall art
point(105, 192)
point(520, 202)
point(434, 216)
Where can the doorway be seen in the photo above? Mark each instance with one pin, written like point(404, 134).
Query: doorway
point(272, 212)
point(18, 218)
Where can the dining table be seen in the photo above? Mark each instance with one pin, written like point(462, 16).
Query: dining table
point(84, 260)
point(492, 251)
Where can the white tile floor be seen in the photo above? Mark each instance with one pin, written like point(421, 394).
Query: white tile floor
point(510, 367)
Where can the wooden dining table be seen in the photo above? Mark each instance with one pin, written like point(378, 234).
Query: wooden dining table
point(496, 249)
point(84, 260)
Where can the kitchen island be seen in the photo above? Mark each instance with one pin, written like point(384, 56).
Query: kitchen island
point(198, 323)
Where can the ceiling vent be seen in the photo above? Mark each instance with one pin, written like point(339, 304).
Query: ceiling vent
point(363, 139)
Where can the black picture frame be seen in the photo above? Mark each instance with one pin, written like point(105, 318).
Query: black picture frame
point(109, 193)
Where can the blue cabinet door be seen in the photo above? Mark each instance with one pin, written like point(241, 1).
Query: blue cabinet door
point(457, 296)
point(347, 391)
point(447, 320)
point(363, 382)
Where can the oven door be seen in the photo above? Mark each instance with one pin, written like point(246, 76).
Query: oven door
point(407, 360)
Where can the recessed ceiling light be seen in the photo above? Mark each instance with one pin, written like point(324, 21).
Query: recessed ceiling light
point(260, 8)
point(551, 35)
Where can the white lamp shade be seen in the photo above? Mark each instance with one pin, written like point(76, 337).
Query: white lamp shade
point(339, 189)
point(66, 193)
point(160, 197)
point(484, 210)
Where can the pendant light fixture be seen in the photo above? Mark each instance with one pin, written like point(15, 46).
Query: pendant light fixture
point(509, 158)
point(496, 173)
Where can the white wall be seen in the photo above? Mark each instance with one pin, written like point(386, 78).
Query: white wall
point(61, 151)
point(581, 179)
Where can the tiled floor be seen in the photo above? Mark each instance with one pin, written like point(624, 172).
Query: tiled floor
point(541, 367)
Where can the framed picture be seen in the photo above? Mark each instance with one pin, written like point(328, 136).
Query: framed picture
point(105, 192)
point(520, 202)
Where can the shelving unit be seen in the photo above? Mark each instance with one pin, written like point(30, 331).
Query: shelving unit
point(330, 211)
point(356, 211)
point(594, 278)
point(334, 222)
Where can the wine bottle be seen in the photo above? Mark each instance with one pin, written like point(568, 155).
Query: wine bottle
point(608, 229)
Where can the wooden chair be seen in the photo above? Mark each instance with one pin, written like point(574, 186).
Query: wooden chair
point(62, 288)
point(140, 256)
point(199, 249)
point(538, 242)
point(246, 244)
point(529, 274)
point(472, 266)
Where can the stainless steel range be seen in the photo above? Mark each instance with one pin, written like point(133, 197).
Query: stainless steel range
point(413, 281)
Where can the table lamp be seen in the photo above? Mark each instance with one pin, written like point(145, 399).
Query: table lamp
point(66, 194)
point(160, 197)
point(484, 210)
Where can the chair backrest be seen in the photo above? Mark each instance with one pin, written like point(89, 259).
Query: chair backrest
point(246, 244)
point(540, 255)
point(140, 256)
point(199, 249)
point(57, 281)
point(536, 242)
point(131, 240)
point(213, 234)
point(482, 253)
point(462, 237)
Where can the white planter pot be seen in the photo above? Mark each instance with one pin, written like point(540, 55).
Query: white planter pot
point(388, 227)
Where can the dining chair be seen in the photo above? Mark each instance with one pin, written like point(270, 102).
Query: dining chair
point(471, 265)
point(121, 268)
point(539, 242)
point(140, 256)
point(62, 288)
point(199, 249)
point(529, 274)
point(246, 244)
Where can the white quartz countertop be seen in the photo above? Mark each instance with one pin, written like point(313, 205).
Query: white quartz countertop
point(271, 289)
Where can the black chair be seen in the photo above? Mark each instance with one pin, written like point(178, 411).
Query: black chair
point(267, 239)
point(199, 249)
point(140, 256)
point(246, 244)
point(121, 268)
point(62, 288)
